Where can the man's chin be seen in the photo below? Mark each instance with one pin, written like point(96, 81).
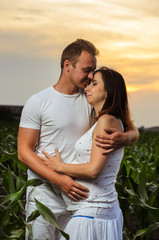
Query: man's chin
point(83, 86)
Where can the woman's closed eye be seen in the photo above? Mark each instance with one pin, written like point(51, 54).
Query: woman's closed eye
point(93, 82)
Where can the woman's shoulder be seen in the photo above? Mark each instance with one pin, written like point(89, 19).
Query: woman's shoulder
point(109, 121)
point(107, 118)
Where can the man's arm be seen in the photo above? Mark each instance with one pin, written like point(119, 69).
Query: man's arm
point(27, 139)
point(116, 139)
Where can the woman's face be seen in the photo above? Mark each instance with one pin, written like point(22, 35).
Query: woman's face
point(95, 92)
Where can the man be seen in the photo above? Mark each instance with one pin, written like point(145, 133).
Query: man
point(58, 116)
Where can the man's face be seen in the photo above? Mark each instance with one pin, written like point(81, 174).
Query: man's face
point(82, 72)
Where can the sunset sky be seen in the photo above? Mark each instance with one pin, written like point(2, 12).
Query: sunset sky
point(33, 34)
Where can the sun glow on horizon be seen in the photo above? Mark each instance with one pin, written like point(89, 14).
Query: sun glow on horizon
point(154, 87)
point(132, 89)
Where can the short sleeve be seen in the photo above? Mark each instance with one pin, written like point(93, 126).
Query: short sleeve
point(31, 114)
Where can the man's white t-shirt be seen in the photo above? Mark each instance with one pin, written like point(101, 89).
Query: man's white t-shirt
point(61, 119)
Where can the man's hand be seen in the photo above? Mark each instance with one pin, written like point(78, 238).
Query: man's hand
point(73, 189)
point(113, 140)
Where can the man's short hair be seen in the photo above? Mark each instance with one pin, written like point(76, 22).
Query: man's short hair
point(73, 51)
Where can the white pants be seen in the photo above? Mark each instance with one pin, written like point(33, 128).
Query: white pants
point(96, 224)
point(40, 228)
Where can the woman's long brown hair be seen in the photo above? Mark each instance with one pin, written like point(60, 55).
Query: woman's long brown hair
point(116, 103)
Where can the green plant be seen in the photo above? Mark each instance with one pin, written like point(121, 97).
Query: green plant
point(138, 188)
point(13, 181)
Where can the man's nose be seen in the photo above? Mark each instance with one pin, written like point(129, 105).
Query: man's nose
point(90, 75)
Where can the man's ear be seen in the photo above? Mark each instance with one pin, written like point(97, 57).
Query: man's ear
point(67, 65)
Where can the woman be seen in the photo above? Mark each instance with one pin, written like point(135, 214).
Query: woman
point(99, 216)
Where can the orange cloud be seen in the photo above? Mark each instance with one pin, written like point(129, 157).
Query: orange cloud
point(154, 86)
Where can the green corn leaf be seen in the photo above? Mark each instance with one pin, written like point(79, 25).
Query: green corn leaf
point(5, 216)
point(128, 166)
point(125, 237)
point(33, 182)
point(29, 227)
point(4, 158)
point(15, 197)
point(141, 232)
point(36, 182)
point(14, 234)
point(51, 187)
point(135, 176)
point(14, 163)
point(152, 198)
point(49, 217)
point(6, 169)
point(142, 183)
point(139, 202)
point(19, 182)
point(46, 213)
point(11, 199)
point(8, 181)
point(33, 216)
point(130, 191)
point(21, 166)
point(153, 226)
point(14, 224)
point(17, 234)
point(21, 204)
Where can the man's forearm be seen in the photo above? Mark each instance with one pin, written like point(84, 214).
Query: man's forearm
point(33, 162)
point(131, 136)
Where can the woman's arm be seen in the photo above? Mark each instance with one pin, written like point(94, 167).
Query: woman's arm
point(115, 139)
point(97, 159)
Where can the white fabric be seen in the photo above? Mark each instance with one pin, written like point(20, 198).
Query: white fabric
point(102, 192)
point(61, 119)
point(99, 216)
point(96, 224)
point(41, 229)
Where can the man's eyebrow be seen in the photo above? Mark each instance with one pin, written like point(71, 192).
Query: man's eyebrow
point(89, 68)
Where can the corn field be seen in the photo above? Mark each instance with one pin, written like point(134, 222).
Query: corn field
point(137, 186)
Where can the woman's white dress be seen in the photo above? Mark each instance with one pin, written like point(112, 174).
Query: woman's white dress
point(98, 217)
